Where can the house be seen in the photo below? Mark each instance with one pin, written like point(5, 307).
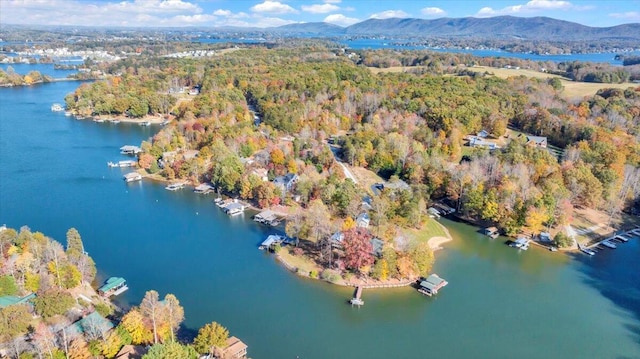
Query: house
point(538, 141)
point(363, 220)
point(337, 239)
point(397, 184)
point(377, 244)
point(190, 154)
point(482, 134)
point(235, 349)
point(261, 173)
point(9, 300)
point(286, 182)
point(131, 352)
point(479, 142)
point(92, 323)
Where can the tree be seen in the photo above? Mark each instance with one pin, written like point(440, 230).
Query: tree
point(151, 308)
point(53, 302)
point(133, 323)
point(357, 248)
point(211, 336)
point(78, 349)
point(14, 321)
point(8, 285)
point(562, 240)
point(171, 350)
point(75, 247)
point(174, 313)
point(422, 256)
point(44, 339)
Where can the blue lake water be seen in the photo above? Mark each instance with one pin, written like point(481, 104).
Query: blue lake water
point(360, 44)
point(500, 303)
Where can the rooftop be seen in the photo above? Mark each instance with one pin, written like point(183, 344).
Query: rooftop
point(112, 283)
point(9, 300)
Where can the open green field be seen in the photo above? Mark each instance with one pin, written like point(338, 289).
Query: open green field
point(572, 89)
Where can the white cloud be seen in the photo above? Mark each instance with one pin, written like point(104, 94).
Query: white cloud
point(531, 7)
point(340, 20)
point(273, 7)
point(630, 15)
point(221, 12)
point(332, 1)
point(388, 14)
point(433, 11)
point(320, 8)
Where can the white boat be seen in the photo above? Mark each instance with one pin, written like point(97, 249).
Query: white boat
point(112, 164)
point(115, 121)
point(587, 251)
point(145, 123)
point(56, 107)
point(98, 120)
point(68, 113)
point(608, 244)
point(175, 186)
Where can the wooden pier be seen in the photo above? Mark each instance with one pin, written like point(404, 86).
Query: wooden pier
point(610, 242)
point(357, 298)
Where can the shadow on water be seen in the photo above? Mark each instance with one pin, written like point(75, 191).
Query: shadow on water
point(613, 272)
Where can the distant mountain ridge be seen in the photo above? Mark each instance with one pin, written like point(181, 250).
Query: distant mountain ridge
point(530, 28)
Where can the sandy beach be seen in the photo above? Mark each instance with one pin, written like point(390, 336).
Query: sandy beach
point(436, 242)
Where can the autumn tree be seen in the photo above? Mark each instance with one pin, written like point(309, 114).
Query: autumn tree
point(211, 336)
point(173, 312)
point(133, 323)
point(171, 350)
point(14, 321)
point(151, 308)
point(53, 302)
point(422, 257)
point(357, 248)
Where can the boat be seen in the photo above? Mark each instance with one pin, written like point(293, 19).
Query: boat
point(68, 113)
point(115, 121)
point(145, 123)
point(587, 251)
point(98, 120)
point(175, 186)
point(132, 177)
point(112, 164)
point(623, 239)
point(56, 107)
point(608, 244)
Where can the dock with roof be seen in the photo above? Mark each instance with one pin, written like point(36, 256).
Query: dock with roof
point(9, 300)
point(431, 285)
point(268, 217)
point(113, 286)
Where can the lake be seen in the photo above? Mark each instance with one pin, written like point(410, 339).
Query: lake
point(500, 303)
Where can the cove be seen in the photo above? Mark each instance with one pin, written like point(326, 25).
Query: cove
point(500, 303)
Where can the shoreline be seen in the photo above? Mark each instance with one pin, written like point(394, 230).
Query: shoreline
point(435, 243)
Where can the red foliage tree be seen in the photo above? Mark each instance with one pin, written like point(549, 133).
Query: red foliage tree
point(357, 248)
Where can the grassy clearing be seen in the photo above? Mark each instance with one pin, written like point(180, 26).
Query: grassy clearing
point(430, 228)
point(303, 263)
point(572, 89)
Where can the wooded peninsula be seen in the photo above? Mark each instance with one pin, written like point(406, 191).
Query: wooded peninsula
point(284, 128)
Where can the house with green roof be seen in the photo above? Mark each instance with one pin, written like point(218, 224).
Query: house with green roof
point(9, 300)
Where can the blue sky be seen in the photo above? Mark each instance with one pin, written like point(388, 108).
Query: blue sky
point(265, 13)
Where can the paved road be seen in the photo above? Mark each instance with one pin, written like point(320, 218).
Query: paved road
point(346, 171)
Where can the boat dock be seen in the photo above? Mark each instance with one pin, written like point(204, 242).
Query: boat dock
point(431, 285)
point(113, 286)
point(611, 242)
point(132, 176)
point(175, 186)
point(130, 150)
point(267, 217)
point(357, 298)
point(204, 188)
point(123, 164)
point(272, 240)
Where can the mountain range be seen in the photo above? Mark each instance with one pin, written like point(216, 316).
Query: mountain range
point(499, 27)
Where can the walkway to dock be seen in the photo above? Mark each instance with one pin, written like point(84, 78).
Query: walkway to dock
point(390, 285)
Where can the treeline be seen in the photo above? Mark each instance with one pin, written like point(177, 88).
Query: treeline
point(447, 63)
point(67, 319)
point(11, 78)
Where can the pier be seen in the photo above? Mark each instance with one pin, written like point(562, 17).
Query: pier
point(610, 242)
point(357, 297)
